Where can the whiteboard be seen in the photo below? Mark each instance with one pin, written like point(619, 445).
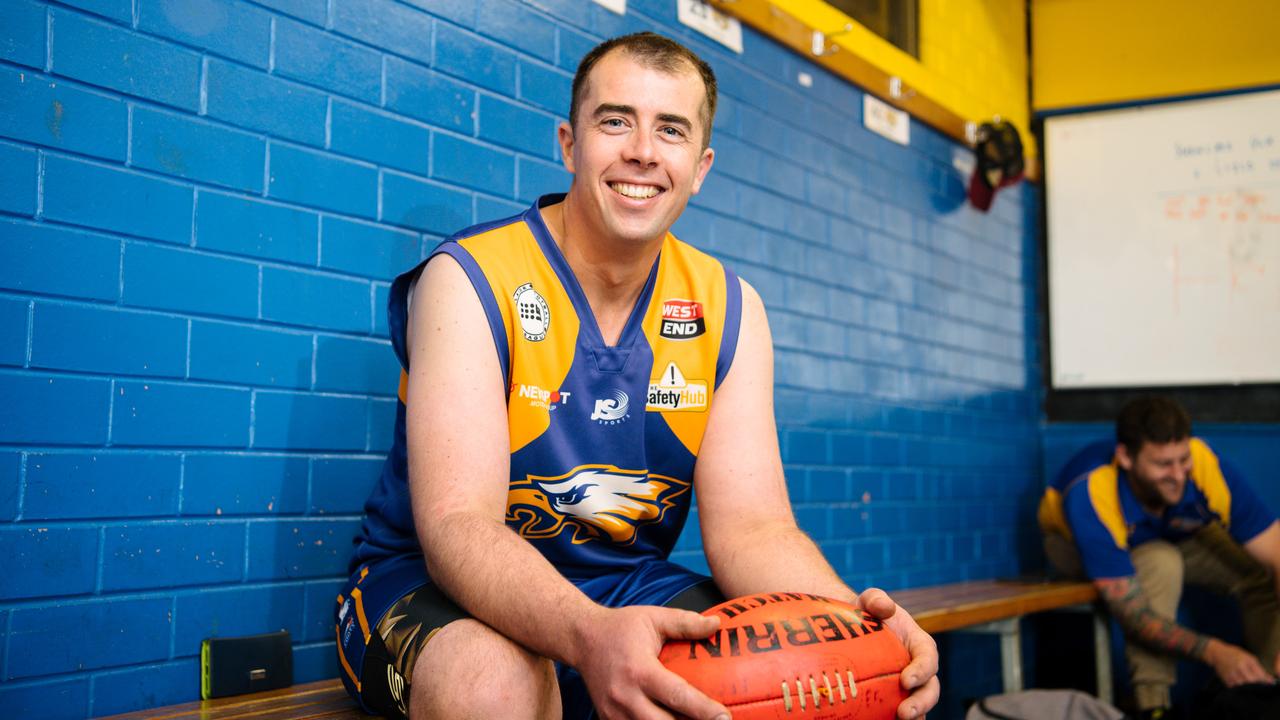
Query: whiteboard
point(1164, 244)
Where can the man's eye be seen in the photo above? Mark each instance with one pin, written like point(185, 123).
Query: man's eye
point(613, 122)
point(672, 131)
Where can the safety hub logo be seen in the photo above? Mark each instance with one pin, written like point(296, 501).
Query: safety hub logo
point(682, 320)
point(672, 392)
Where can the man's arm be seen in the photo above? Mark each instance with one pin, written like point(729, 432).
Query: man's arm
point(1265, 548)
point(459, 463)
point(1129, 604)
point(750, 535)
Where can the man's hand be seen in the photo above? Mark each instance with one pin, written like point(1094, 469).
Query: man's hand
point(920, 676)
point(1235, 665)
point(618, 658)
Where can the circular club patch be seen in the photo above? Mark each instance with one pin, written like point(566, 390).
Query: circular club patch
point(535, 316)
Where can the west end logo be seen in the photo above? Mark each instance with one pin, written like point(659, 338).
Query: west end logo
point(535, 316)
point(594, 502)
point(611, 410)
point(682, 320)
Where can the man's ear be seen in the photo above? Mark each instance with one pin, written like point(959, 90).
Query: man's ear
point(1123, 459)
point(564, 134)
point(704, 167)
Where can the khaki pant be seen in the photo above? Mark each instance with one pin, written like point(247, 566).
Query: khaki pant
point(1211, 558)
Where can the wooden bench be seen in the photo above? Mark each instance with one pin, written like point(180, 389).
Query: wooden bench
point(987, 606)
point(995, 606)
point(325, 699)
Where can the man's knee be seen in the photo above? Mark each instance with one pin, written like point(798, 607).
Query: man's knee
point(1159, 568)
point(467, 670)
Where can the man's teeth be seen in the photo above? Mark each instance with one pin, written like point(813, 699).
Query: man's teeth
point(639, 192)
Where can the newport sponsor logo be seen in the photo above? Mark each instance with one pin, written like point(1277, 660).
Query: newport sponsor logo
point(611, 410)
point(541, 397)
point(672, 392)
point(682, 319)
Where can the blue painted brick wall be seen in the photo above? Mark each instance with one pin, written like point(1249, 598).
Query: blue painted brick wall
point(202, 205)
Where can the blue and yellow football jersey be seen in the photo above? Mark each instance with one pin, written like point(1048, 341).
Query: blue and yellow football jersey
point(603, 438)
point(1091, 502)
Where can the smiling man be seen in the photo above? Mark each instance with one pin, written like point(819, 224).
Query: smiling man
point(1154, 509)
point(571, 377)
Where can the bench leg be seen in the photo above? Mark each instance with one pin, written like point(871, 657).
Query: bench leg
point(1102, 653)
point(1010, 650)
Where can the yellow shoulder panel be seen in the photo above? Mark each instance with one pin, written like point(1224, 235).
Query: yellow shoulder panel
point(540, 341)
point(1206, 473)
point(1050, 515)
point(689, 281)
point(1104, 493)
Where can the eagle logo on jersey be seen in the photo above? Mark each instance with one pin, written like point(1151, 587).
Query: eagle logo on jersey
point(595, 502)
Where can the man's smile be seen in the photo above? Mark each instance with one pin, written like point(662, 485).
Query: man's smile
point(635, 192)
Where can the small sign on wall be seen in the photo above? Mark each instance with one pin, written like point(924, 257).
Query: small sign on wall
point(882, 118)
point(618, 6)
point(711, 22)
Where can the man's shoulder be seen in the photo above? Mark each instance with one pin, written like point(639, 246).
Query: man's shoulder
point(1087, 460)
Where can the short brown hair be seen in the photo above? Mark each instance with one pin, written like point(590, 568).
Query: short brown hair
point(654, 51)
point(1152, 419)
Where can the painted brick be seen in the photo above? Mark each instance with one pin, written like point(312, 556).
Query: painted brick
point(461, 12)
point(315, 662)
point(17, 178)
point(13, 331)
point(488, 209)
point(121, 10)
point(239, 484)
point(99, 484)
point(471, 58)
point(380, 138)
point(424, 206)
point(319, 608)
point(323, 181)
point(43, 560)
point(144, 687)
point(342, 484)
point(112, 199)
point(517, 26)
point(300, 421)
point(545, 87)
point(179, 414)
point(367, 367)
point(313, 11)
point(23, 33)
point(91, 338)
point(70, 118)
point(382, 415)
point(57, 700)
point(10, 482)
point(246, 226)
point(234, 612)
point(539, 178)
point(389, 25)
point(315, 300)
point(429, 96)
point(232, 29)
point(318, 58)
point(40, 636)
point(175, 279)
point(313, 548)
point(265, 357)
point(171, 554)
point(111, 57)
point(473, 165)
point(366, 249)
point(515, 127)
point(573, 45)
point(257, 101)
point(55, 410)
point(197, 150)
point(381, 295)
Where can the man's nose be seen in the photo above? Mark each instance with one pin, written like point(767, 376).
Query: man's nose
point(641, 148)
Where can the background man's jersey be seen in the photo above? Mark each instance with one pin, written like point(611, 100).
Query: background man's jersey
point(603, 439)
point(1090, 500)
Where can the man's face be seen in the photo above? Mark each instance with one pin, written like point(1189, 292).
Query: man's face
point(636, 152)
point(1159, 471)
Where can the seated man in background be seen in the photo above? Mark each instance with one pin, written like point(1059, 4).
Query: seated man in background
point(1154, 509)
point(570, 377)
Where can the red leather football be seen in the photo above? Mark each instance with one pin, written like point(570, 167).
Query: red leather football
point(794, 655)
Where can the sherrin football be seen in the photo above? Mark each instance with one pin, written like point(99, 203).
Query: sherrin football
point(794, 655)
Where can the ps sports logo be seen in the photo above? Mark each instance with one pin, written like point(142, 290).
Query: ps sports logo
point(611, 410)
point(531, 308)
point(593, 502)
point(682, 320)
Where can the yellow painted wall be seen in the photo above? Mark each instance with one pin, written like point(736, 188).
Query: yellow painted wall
point(1090, 52)
point(972, 54)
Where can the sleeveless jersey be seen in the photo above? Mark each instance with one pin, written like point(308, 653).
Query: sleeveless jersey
point(603, 438)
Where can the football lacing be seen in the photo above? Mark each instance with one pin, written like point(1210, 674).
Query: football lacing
point(802, 695)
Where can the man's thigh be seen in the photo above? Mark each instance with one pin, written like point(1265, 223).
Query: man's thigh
point(1216, 561)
